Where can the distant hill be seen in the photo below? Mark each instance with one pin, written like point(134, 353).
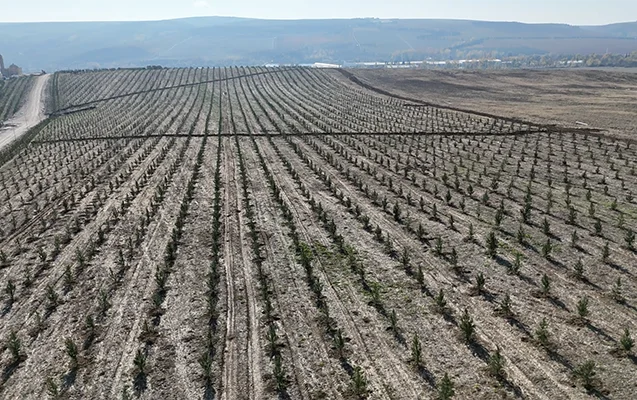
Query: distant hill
point(212, 41)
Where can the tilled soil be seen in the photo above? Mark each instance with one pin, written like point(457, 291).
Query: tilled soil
point(227, 244)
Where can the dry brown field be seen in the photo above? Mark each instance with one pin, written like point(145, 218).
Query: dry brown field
point(599, 98)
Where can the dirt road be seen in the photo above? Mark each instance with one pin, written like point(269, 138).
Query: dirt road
point(31, 113)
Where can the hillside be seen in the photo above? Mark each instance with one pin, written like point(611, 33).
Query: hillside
point(226, 41)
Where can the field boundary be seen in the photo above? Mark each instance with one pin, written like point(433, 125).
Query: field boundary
point(278, 134)
point(542, 127)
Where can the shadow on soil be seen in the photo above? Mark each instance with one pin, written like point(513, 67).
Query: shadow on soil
point(557, 263)
point(479, 351)
point(581, 249)
point(69, 378)
point(519, 325)
point(487, 295)
point(557, 303)
point(630, 306)
point(347, 366)
point(424, 289)
point(527, 279)
point(8, 371)
point(600, 332)
point(427, 376)
point(557, 357)
point(598, 393)
point(448, 316)
point(6, 309)
point(503, 263)
point(140, 383)
point(618, 267)
point(586, 281)
point(209, 392)
point(530, 247)
point(512, 387)
point(398, 335)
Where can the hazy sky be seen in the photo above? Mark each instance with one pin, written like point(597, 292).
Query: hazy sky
point(576, 12)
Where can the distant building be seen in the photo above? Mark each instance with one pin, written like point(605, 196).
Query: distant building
point(325, 65)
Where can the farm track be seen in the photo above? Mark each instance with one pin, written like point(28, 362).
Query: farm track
point(242, 348)
point(30, 114)
point(179, 215)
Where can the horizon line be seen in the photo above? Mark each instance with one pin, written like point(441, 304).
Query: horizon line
point(311, 19)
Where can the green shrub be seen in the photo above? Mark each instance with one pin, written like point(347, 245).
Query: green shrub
point(542, 333)
point(492, 244)
point(582, 309)
point(446, 388)
point(467, 327)
point(586, 373)
point(360, 382)
point(496, 365)
point(416, 351)
point(545, 287)
point(626, 341)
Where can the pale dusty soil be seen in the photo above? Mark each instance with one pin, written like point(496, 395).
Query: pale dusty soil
point(31, 113)
point(356, 167)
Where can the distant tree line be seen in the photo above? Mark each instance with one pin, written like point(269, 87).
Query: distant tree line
point(476, 59)
point(79, 71)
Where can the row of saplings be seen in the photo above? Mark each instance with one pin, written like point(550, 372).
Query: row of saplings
point(585, 372)
point(274, 345)
point(149, 333)
point(491, 242)
point(123, 263)
point(346, 252)
point(69, 278)
point(213, 278)
point(306, 257)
